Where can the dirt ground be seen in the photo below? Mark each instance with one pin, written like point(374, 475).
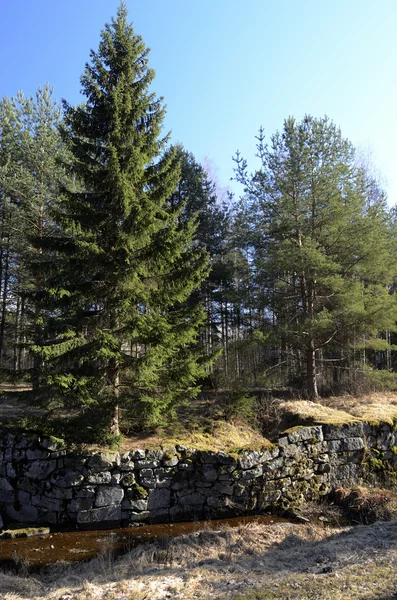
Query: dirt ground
point(261, 562)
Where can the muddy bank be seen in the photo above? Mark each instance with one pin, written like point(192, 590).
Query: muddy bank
point(74, 546)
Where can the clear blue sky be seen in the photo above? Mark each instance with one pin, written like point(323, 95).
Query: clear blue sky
point(225, 67)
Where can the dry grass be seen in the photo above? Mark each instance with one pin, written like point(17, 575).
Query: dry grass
point(278, 561)
point(218, 435)
point(303, 412)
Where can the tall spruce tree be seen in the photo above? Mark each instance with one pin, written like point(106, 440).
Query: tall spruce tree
point(118, 330)
point(323, 255)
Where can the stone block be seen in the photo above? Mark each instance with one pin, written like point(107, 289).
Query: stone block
point(159, 498)
point(224, 489)
point(40, 469)
point(274, 465)
point(7, 496)
point(186, 513)
point(209, 473)
point(134, 505)
point(103, 461)
point(147, 464)
point(341, 432)
point(50, 504)
point(67, 477)
point(109, 496)
point(110, 514)
point(302, 434)
point(138, 517)
point(194, 499)
point(248, 460)
point(251, 473)
point(80, 504)
point(99, 478)
point(353, 444)
point(186, 466)
point(25, 514)
point(36, 454)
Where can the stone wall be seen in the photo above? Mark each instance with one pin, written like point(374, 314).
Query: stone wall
point(41, 483)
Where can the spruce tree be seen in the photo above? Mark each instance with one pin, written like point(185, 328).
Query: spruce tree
point(118, 330)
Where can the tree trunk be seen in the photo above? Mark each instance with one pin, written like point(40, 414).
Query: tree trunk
point(312, 392)
point(115, 424)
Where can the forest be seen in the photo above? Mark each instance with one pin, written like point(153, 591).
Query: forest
point(129, 281)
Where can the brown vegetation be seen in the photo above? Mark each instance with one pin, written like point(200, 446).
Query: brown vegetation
point(279, 561)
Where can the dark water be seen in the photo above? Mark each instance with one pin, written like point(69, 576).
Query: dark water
point(72, 546)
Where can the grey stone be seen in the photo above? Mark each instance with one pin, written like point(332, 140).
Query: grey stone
point(50, 444)
point(147, 473)
point(24, 483)
point(226, 459)
point(147, 464)
point(99, 515)
point(208, 457)
point(216, 502)
point(338, 432)
point(292, 450)
point(251, 473)
point(103, 461)
point(86, 491)
point(315, 434)
point(274, 465)
point(24, 497)
point(128, 465)
point(148, 482)
point(25, 514)
point(224, 489)
point(75, 460)
point(186, 513)
point(139, 517)
point(36, 454)
point(66, 478)
point(161, 515)
point(247, 460)
point(134, 505)
point(50, 504)
point(10, 470)
point(40, 469)
point(100, 477)
point(7, 493)
point(268, 455)
point(171, 462)
point(283, 441)
point(159, 498)
point(137, 454)
point(154, 454)
point(80, 504)
point(128, 479)
point(185, 466)
point(194, 499)
point(116, 478)
point(209, 473)
point(109, 496)
point(352, 444)
point(323, 468)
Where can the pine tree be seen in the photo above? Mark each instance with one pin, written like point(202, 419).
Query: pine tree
point(324, 256)
point(29, 181)
point(118, 330)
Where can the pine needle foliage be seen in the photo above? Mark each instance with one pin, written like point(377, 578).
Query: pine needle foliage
point(322, 243)
point(118, 332)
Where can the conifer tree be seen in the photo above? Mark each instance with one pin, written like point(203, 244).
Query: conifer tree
point(118, 330)
point(323, 250)
point(30, 172)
